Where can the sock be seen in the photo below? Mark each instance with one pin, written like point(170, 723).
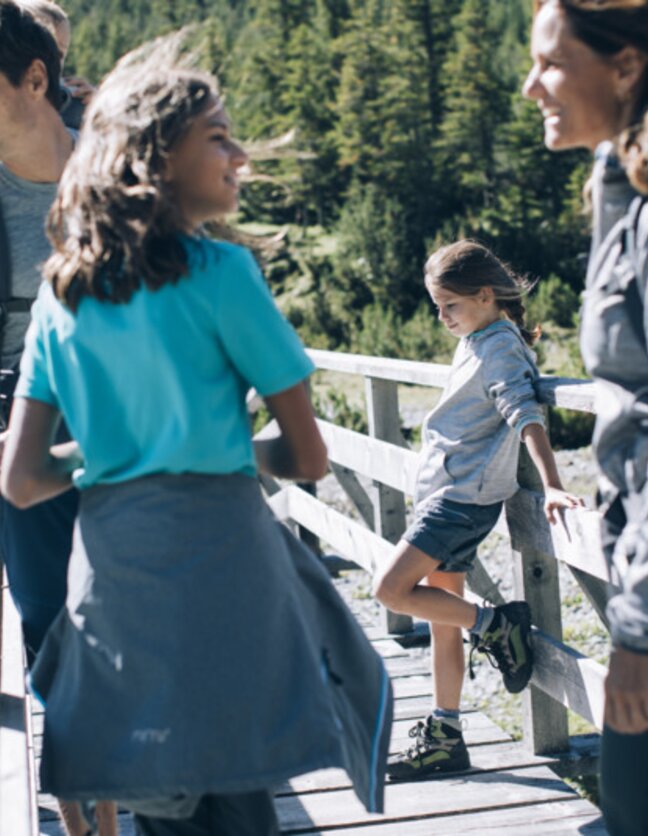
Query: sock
point(449, 716)
point(483, 621)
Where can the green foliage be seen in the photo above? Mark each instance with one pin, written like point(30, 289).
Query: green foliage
point(408, 129)
point(382, 333)
point(569, 430)
point(334, 406)
point(555, 301)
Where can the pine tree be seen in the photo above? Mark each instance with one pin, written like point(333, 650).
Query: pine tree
point(475, 105)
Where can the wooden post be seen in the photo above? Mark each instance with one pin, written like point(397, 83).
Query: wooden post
point(536, 580)
point(389, 504)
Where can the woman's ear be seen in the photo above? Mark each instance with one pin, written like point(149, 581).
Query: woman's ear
point(36, 80)
point(630, 64)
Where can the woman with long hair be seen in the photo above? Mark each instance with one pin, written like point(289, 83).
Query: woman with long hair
point(203, 655)
point(590, 80)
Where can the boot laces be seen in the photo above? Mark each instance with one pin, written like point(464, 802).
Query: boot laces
point(498, 654)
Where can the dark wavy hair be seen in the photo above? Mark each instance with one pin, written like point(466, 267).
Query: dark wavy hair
point(606, 27)
point(467, 266)
point(22, 41)
point(114, 224)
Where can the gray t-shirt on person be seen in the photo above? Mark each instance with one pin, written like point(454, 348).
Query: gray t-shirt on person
point(24, 206)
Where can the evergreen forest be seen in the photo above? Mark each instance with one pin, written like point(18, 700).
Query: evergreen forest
point(379, 130)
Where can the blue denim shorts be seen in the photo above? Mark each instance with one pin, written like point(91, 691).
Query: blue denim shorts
point(451, 531)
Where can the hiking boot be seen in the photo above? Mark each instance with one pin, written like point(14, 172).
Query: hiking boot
point(507, 645)
point(438, 748)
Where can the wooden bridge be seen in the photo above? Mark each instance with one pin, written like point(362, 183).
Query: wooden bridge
point(512, 787)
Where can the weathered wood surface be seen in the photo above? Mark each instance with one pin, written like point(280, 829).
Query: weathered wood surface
point(507, 789)
point(565, 392)
point(389, 504)
point(575, 540)
point(560, 672)
point(18, 815)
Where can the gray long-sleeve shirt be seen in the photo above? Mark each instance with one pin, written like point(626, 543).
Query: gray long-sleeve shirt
point(25, 205)
point(618, 361)
point(471, 438)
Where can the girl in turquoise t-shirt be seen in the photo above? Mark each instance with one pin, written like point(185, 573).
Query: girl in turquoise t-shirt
point(188, 672)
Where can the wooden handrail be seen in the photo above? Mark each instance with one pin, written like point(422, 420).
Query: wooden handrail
point(566, 392)
point(18, 808)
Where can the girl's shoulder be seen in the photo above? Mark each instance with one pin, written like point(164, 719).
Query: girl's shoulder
point(207, 252)
point(495, 336)
point(502, 346)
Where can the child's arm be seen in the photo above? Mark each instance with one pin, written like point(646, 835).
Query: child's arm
point(299, 452)
point(539, 447)
point(33, 470)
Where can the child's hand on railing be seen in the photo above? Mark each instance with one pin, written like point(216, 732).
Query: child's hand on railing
point(555, 499)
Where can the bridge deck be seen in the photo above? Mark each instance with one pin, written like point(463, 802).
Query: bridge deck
point(508, 790)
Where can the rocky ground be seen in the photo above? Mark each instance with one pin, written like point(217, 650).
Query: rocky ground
point(582, 628)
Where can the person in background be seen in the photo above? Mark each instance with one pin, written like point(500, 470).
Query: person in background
point(76, 92)
point(34, 147)
point(590, 80)
point(468, 467)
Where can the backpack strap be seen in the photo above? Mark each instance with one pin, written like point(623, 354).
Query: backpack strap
point(5, 262)
point(633, 297)
point(7, 303)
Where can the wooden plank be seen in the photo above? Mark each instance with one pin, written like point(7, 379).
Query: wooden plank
point(382, 461)
point(569, 393)
point(577, 542)
point(482, 585)
point(483, 759)
point(18, 812)
point(570, 678)
point(453, 795)
point(389, 504)
point(556, 818)
point(535, 580)
point(390, 649)
point(383, 368)
point(598, 593)
point(357, 494)
point(348, 538)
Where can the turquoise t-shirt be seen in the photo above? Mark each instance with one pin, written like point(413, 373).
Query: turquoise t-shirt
point(158, 385)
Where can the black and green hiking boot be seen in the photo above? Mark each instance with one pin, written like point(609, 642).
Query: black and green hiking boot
point(507, 645)
point(438, 748)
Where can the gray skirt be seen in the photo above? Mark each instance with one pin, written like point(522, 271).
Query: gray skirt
point(202, 649)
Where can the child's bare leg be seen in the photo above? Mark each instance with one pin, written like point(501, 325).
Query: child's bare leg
point(73, 819)
point(448, 661)
point(75, 823)
point(399, 588)
point(106, 818)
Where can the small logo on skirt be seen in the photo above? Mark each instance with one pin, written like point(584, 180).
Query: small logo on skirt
point(151, 735)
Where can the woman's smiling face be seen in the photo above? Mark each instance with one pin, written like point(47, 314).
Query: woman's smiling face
point(574, 87)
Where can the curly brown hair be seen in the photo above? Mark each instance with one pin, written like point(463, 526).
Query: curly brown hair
point(467, 266)
point(115, 224)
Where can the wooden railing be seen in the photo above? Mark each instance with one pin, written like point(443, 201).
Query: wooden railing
point(18, 808)
point(563, 678)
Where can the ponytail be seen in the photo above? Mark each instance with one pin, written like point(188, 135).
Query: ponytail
point(516, 312)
